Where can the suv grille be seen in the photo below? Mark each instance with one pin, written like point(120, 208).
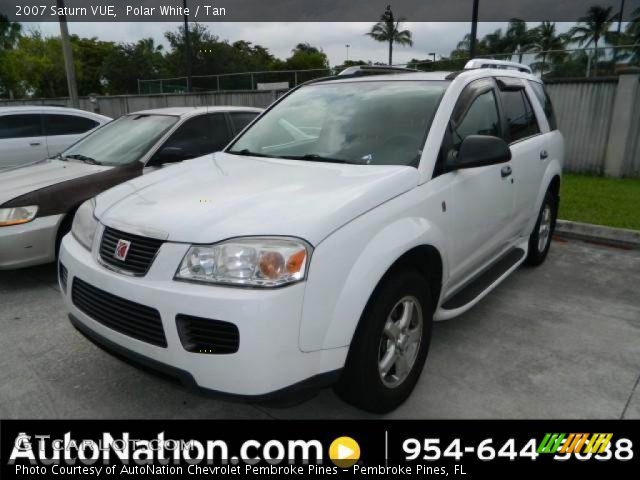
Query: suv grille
point(130, 318)
point(203, 335)
point(141, 252)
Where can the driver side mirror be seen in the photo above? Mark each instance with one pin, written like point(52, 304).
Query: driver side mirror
point(479, 151)
point(170, 155)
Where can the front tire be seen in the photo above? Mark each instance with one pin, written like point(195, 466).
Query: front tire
point(390, 345)
point(540, 238)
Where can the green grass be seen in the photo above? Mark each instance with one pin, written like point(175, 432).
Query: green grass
point(602, 201)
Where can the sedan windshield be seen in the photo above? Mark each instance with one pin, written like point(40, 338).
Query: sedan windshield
point(368, 123)
point(122, 141)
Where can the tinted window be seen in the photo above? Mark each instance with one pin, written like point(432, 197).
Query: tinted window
point(67, 124)
point(370, 123)
point(241, 120)
point(200, 135)
point(521, 121)
point(480, 119)
point(545, 101)
point(20, 126)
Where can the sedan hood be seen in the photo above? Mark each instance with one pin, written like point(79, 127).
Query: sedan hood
point(220, 196)
point(20, 181)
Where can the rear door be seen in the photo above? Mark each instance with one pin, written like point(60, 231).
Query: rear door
point(22, 139)
point(527, 144)
point(479, 218)
point(63, 130)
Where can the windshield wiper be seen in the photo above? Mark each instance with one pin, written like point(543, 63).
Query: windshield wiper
point(315, 158)
point(248, 153)
point(83, 158)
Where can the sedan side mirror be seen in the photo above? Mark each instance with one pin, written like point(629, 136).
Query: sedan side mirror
point(479, 151)
point(171, 155)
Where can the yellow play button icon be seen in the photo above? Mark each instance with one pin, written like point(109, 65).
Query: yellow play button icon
point(344, 452)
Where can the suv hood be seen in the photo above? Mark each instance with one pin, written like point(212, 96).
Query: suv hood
point(22, 180)
point(220, 196)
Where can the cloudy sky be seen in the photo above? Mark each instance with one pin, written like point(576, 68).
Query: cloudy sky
point(280, 38)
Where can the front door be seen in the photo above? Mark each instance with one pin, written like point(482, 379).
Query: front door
point(480, 212)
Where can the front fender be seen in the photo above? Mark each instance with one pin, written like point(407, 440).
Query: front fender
point(348, 265)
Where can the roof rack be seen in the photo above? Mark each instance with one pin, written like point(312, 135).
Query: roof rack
point(499, 64)
point(360, 70)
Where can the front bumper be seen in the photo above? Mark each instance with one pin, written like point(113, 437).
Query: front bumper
point(268, 359)
point(29, 244)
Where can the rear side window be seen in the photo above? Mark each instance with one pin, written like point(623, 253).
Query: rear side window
point(241, 120)
point(20, 126)
point(521, 121)
point(67, 124)
point(545, 101)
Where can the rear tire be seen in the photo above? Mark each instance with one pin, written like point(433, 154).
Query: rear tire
point(540, 239)
point(390, 345)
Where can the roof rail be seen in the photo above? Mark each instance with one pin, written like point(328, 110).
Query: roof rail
point(358, 70)
point(499, 64)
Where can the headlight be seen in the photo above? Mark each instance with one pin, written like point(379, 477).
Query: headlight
point(248, 262)
point(17, 215)
point(85, 224)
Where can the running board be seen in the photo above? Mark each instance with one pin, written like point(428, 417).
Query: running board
point(484, 280)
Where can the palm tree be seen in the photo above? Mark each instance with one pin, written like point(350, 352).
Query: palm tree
point(388, 30)
point(593, 27)
point(633, 33)
point(519, 38)
point(548, 43)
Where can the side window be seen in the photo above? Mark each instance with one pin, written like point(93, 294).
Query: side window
point(521, 121)
point(219, 132)
point(20, 126)
point(241, 120)
point(545, 101)
point(195, 137)
point(481, 118)
point(67, 125)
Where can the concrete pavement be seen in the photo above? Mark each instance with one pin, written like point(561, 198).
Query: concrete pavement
point(559, 341)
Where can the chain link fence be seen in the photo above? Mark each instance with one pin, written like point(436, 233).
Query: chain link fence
point(266, 80)
point(551, 64)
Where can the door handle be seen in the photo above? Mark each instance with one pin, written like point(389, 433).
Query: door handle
point(543, 154)
point(506, 171)
point(34, 144)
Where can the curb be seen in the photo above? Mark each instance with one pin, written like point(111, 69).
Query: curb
point(619, 237)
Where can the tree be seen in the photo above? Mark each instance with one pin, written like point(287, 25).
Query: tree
point(388, 30)
point(519, 39)
point(593, 27)
point(10, 33)
point(306, 57)
point(132, 61)
point(549, 44)
point(632, 32)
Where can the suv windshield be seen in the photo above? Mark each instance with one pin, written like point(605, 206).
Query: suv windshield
point(369, 123)
point(122, 141)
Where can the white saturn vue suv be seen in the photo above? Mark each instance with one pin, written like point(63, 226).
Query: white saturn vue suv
point(321, 244)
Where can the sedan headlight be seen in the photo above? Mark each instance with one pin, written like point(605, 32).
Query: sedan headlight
point(17, 215)
point(85, 224)
point(248, 262)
